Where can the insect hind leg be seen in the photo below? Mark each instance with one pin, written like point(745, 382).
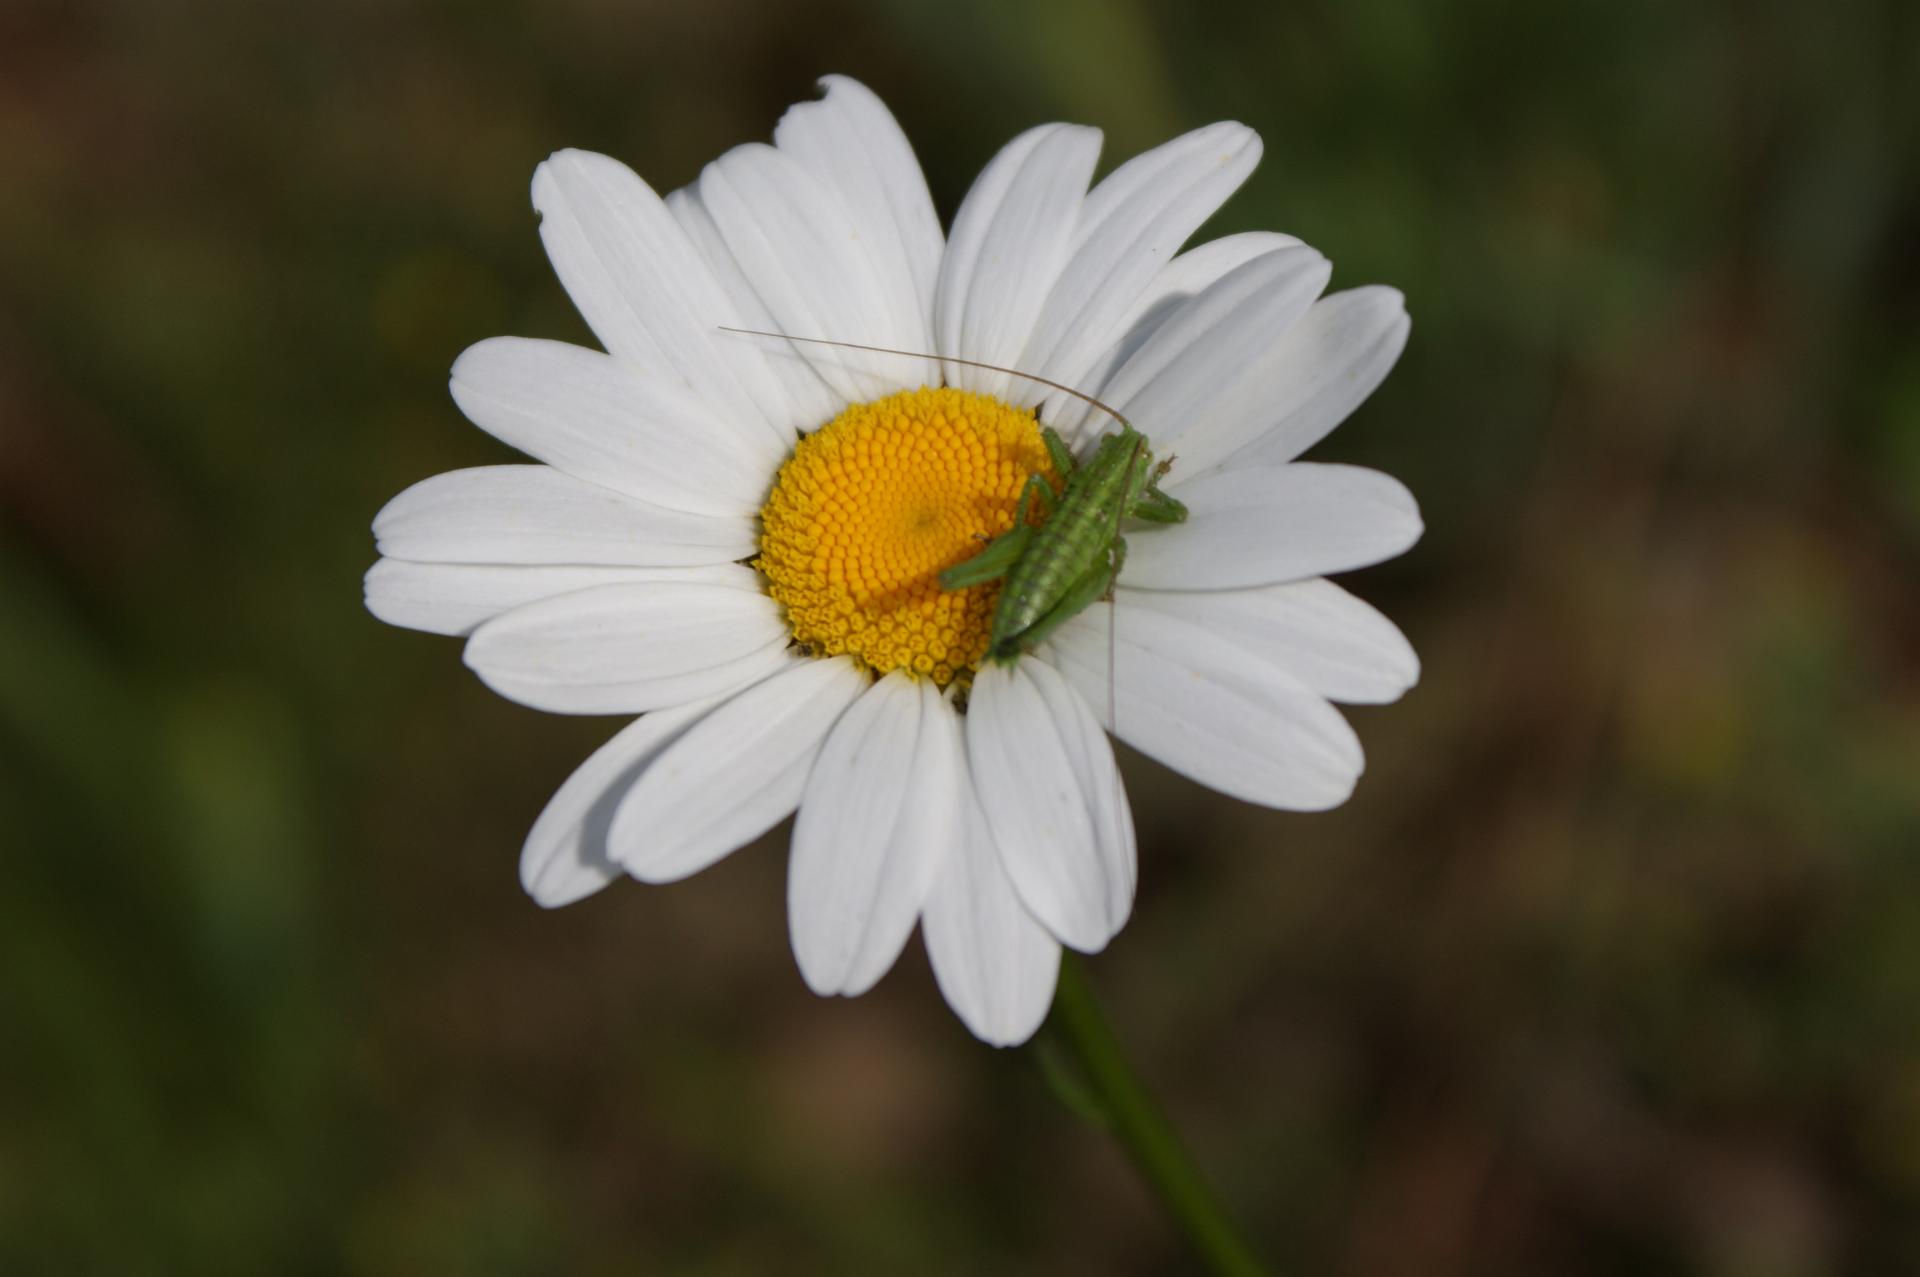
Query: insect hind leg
point(1094, 584)
point(1118, 561)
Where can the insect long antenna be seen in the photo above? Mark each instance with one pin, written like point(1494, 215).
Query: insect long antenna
point(1113, 602)
point(1081, 395)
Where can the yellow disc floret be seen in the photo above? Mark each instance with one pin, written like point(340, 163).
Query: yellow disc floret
point(874, 504)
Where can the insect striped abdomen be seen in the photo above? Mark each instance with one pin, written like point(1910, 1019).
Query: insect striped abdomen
point(1052, 572)
point(1076, 538)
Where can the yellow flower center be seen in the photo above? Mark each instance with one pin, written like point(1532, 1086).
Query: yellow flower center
point(874, 504)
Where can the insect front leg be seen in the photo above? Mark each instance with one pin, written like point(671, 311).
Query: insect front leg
point(1156, 506)
point(991, 563)
point(1058, 453)
point(1036, 489)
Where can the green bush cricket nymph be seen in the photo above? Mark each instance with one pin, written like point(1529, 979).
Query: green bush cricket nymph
point(1053, 570)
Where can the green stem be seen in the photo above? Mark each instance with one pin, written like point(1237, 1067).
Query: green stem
point(1134, 1120)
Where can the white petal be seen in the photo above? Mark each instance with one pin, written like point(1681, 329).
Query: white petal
point(1201, 353)
point(565, 857)
point(646, 292)
point(1190, 273)
point(810, 402)
point(620, 649)
point(1011, 237)
point(1210, 709)
point(591, 416)
point(1046, 777)
point(805, 259)
point(1333, 642)
point(1203, 265)
point(879, 820)
point(852, 143)
point(1264, 524)
point(1320, 371)
point(1130, 228)
point(535, 514)
point(995, 964)
point(736, 775)
point(453, 598)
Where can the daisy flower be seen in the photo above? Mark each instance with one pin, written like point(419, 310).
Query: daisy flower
point(738, 539)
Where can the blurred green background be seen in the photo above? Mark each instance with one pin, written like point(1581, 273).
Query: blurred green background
point(1611, 966)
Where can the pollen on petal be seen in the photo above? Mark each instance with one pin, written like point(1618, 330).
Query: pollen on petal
point(874, 505)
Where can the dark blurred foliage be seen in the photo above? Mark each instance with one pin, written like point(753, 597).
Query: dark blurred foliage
point(1611, 966)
